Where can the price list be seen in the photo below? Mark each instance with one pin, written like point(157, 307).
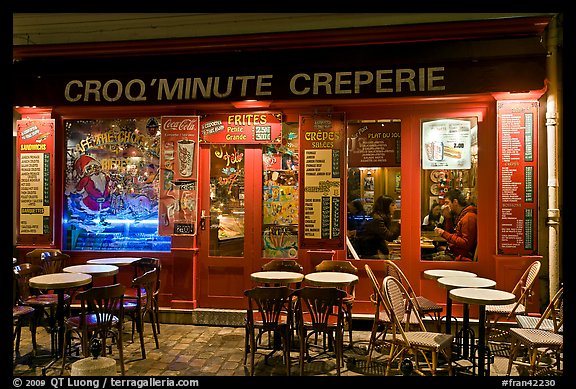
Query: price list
point(517, 177)
point(322, 171)
point(35, 151)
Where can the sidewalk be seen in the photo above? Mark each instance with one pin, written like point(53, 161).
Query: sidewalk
point(200, 350)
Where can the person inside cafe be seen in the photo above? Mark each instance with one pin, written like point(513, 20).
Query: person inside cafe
point(376, 232)
point(434, 218)
point(462, 241)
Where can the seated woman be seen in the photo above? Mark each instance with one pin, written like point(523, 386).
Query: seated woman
point(374, 234)
point(434, 218)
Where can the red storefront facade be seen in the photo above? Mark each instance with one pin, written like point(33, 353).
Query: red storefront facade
point(494, 77)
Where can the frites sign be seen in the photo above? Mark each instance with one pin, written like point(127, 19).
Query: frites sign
point(249, 128)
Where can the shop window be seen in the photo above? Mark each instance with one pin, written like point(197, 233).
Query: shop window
point(449, 162)
point(280, 196)
point(111, 186)
point(374, 189)
point(227, 200)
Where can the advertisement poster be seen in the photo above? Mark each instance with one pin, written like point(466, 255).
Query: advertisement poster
point(249, 128)
point(111, 185)
point(179, 174)
point(518, 172)
point(35, 161)
point(446, 143)
point(322, 161)
point(375, 144)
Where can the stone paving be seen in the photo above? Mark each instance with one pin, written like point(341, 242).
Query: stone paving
point(202, 350)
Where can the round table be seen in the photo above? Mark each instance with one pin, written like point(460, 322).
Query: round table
point(118, 261)
point(436, 274)
point(330, 278)
point(94, 270)
point(277, 277)
point(482, 297)
point(59, 282)
point(463, 282)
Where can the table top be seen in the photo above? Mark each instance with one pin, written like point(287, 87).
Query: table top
point(60, 280)
point(281, 277)
point(466, 282)
point(434, 274)
point(118, 261)
point(94, 270)
point(331, 278)
point(482, 296)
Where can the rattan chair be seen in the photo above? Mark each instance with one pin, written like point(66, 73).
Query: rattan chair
point(423, 345)
point(497, 313)
point(320, 312)
point(101, 315)
point(424, 305)
point(381, 322)
point(269, 312)
point(540, 348)
point(550, 320)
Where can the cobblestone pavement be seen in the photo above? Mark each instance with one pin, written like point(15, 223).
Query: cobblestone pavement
point(200, 350)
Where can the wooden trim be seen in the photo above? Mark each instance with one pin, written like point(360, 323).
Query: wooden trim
point(509, 27)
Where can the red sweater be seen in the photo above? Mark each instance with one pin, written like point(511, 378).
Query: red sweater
point(462, 243)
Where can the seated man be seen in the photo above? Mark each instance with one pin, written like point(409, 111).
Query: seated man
point(462, 241)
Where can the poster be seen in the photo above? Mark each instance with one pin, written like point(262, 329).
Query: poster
point(179, 174)
point(446, 143)
point(374, 144)
point(322, 162)
point(517, 176)
point(35, 160)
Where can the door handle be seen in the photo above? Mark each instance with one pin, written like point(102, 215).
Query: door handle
point(203, 220)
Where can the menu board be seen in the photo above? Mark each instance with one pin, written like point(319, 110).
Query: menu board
point(375, 144)
point(35, 160)
point(518, 172)
point(322, 160)
point(179, 167)
point(446, 143)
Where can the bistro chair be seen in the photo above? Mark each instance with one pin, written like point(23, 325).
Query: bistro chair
point(320, 311)
point(495, 314)
point(101, 316)
point(539, 348)
point(550, 320)
point(51, 260)
point(44, 304)
point(54, 261)
point(381, 323)
point(283, 265)
point(424, 305)
point(138, 308)
point(269, 312)
point(141, 266)
point(22, 314)
point(425, 346)
point(343, 266)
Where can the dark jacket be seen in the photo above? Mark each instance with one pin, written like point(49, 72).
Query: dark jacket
point(462, 243)
point(373, 235)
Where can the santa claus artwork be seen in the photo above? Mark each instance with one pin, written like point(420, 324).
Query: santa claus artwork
point(93, 185)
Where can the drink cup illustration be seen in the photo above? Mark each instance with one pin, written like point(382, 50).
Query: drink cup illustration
point(185, 157)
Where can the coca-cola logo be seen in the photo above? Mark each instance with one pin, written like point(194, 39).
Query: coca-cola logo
point(181, 125)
